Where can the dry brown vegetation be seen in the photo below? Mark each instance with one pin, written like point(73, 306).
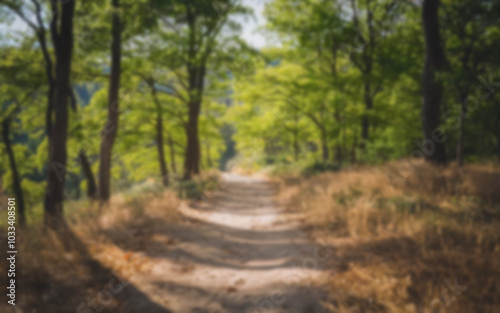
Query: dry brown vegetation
point(56, 272)
point(401, 247)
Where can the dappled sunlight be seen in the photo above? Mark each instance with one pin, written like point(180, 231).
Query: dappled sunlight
point(250, 156)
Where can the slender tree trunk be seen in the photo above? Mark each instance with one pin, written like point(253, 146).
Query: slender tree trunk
point(367, 68)
point(16, 179)
point(161, 151)
point(42, 40)
point(172, 154)
point(89, 176)
point(193, 152)
point(160, 143)
point(54, 195)
point(192, 158)
point(432, 89)
point(110, 130)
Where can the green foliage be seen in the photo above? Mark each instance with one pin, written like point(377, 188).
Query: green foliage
point(297, 106)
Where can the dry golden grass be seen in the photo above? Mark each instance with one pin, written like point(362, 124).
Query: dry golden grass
point(399, 248)
point(55, 277)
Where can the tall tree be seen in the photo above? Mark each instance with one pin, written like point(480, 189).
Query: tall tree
point(432, 87)
point(62, 38)
point(110, 130)
point(194, 30)
point(160, 144)
point(468, 41)
point(370, 28)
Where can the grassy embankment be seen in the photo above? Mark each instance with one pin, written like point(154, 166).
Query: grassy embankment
point(400, 246)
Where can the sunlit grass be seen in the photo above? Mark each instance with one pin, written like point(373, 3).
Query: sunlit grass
point(395, 245)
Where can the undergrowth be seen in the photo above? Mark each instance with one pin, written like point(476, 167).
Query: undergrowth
point(58, 271)
point(425, 243)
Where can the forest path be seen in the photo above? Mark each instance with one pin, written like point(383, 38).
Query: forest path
point(237, 253)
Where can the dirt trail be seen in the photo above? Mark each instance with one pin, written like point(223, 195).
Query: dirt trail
point(237, 253)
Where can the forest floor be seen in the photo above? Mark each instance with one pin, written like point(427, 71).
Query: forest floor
point(237, 252)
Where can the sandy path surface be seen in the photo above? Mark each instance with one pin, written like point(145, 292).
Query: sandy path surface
point(237, 253)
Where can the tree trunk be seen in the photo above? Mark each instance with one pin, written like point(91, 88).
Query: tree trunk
point(54, 195)
point(172, 154)
point(110, 130)
point(16, 179)
point(192, 157)
point(159, 133)
point(42, 40)
point(161, 151)
point(432, 89)
point(193, 153)
point(89, 176)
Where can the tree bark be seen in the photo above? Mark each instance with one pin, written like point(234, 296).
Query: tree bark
point(161, 151)
point(172, 154)
point(365, 64)
point(193, 153)
point(110, 130)
point(63, 44)
point(159, 133)
point(89, 176)
point(192, 157)
point(196, 76)
point(16, 179)
point(432, 89)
